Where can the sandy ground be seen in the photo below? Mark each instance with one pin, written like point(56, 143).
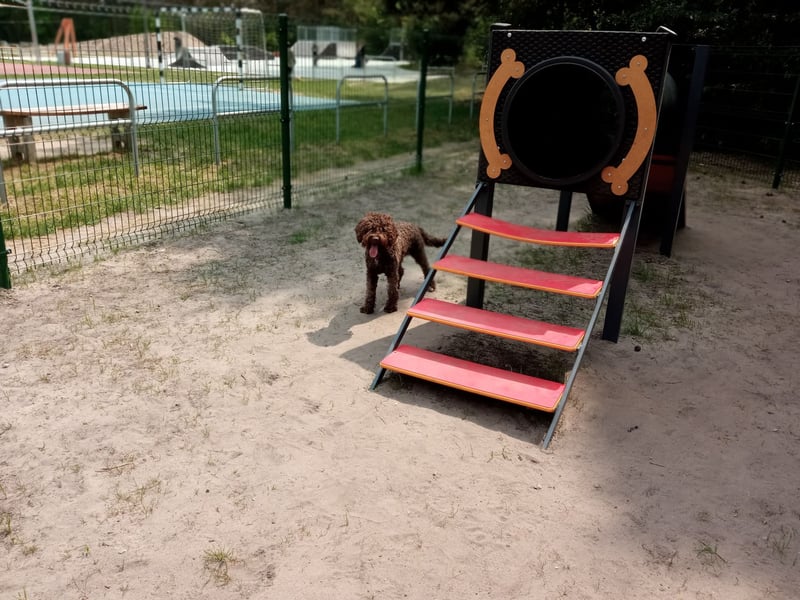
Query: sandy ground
point(192, 420)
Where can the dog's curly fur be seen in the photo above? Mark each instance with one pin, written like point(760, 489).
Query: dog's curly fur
point(386, 243)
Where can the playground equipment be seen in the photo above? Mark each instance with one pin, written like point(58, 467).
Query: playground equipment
point(183, 58)
point(568, 111)
point(217, 27)
point(329, 42)
point(665, 204)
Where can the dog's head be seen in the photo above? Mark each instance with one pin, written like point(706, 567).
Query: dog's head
point(375, 231)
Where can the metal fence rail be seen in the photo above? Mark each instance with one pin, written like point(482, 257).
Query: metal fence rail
point(382, 102)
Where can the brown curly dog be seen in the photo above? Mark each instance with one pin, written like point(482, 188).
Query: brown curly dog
point(387, 242)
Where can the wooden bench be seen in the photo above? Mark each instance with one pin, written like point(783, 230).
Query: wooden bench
point(22, 145)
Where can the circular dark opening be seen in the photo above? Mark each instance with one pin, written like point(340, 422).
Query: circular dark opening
point(563, 120)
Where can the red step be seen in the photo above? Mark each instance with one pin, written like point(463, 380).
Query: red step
point(527, 278)
point(533, 235)
point(507, 386)
point(492, 323)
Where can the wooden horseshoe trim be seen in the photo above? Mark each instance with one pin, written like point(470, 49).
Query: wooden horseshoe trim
point(634, 76)
point(509, 67)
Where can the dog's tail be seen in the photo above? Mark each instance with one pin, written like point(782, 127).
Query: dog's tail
point(432, 241)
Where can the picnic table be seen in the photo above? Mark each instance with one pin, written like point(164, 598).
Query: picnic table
point(19, 128)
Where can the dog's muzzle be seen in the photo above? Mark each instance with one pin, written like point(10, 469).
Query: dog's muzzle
point(373, 246)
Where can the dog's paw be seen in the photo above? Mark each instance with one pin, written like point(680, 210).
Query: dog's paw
point(390, 309)
point(432, 286)
point(367, 310)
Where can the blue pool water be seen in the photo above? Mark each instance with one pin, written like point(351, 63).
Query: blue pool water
point(165, 102)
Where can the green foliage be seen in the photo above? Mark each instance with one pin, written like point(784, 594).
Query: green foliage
point(699, 21)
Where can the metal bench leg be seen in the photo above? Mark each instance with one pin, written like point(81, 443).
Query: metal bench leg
point(3, 192)
point(22, 148)
point(120, 134)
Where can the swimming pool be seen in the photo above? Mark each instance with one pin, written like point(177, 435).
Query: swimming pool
point(165, 102)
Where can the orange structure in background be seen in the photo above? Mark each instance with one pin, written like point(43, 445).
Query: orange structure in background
point(66, 36)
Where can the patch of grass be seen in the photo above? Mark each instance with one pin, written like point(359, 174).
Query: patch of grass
point(509, 355)
point(142, 498)
point(8, 533)
point(218, 562)
point(10, 536)
point(781, 541)
point(644, 273)
point(298, 237)
point(578, 261)
point(640, 321)
point(5, 525)
point(708, 554)
point(658, 300)
point(125, 463)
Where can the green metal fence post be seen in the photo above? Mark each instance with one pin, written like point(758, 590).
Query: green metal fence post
point(5, 274)
point(286, 112)
point(423, 77)
point(790, 123)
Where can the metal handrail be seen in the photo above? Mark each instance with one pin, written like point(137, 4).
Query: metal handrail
point(475, 91)
point(384, 102)
point(438, 71)
point(215, 115)
point(14, 131)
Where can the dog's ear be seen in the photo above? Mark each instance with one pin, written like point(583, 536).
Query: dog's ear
point(391, 232)
point(360, 230)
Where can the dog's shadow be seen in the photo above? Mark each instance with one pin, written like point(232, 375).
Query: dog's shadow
point(338, 330)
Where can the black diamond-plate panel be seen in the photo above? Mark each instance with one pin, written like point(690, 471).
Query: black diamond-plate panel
point(610, 50)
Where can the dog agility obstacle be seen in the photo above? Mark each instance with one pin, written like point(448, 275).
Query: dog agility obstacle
point(568, 111)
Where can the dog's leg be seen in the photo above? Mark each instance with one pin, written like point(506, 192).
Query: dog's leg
point(393, 289)
point(369, 298)
point(422, 260)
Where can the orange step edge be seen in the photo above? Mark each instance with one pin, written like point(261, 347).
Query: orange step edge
point(546, 237)
point(559, 337)
point(507, 386)
point(520, 276)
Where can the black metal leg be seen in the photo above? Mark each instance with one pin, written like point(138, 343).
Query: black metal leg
point(479, 248)
point(677, 204)
point(564, 207)
point(622, 271)
point(676, 219)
